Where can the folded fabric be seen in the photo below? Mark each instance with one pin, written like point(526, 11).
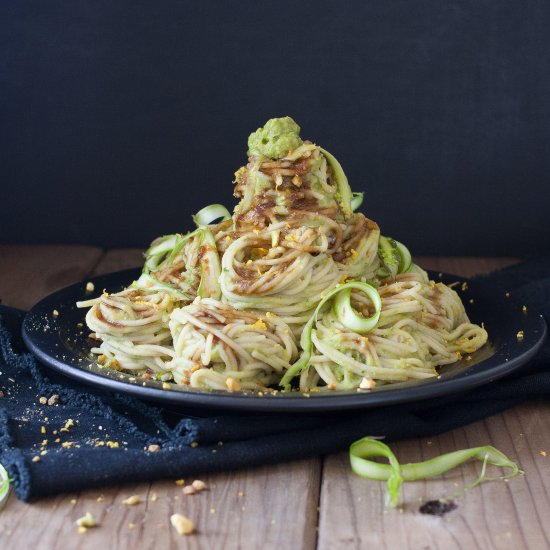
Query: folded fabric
point(57, 435)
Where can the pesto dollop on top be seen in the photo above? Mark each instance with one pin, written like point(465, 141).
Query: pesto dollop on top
point(275, 139)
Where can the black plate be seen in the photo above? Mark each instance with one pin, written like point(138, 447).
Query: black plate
point(61, 343)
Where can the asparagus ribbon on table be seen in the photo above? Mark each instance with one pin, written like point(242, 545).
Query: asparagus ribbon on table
point(4, 485)
point(395, 473)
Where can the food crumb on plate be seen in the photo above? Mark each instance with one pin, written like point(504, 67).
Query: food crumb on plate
point(232, 385)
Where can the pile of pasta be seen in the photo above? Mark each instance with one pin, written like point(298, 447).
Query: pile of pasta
point(294, 290)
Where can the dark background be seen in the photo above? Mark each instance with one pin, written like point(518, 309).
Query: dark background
point(119, 120)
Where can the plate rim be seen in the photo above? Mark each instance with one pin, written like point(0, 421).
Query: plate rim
point(295, 402)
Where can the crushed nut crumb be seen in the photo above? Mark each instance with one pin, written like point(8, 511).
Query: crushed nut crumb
point(183, 525)
point(55, 313)
point(131, 501)
point(189, 490)
point(153, 448)
point(87, 520)
point(232, 385)
point(43, 400)
point(367, 384)
point(53, 400)
point(199, 485)
point(68, 424)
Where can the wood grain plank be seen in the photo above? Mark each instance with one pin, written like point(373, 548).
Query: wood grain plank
point(28, 273)
point(267, 507)
point(118, 259)
point(494, 515)
point(277, 509)
point(465, 267)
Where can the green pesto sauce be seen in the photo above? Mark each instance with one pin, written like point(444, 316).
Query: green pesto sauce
point(275, 139)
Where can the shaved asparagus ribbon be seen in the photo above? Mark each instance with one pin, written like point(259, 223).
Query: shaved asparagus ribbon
point(211, 213)
point(211, 268)
point(395, 257)
point(394, 473)
point(344, 195)
point(357, 200)
point(149, 283)
point(345, 313)
point(4, 485)
point(163, 252)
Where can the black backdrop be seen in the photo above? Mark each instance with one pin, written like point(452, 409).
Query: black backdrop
point(120, 119)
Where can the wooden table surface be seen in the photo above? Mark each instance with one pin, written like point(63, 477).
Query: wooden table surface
point(314, 503)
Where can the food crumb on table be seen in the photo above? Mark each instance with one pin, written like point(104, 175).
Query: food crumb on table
point(198, 485)
point(183, 525)
point(87, 520)
point(132, 500)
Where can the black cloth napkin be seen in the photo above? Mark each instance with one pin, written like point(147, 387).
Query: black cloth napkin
point(91, 438)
